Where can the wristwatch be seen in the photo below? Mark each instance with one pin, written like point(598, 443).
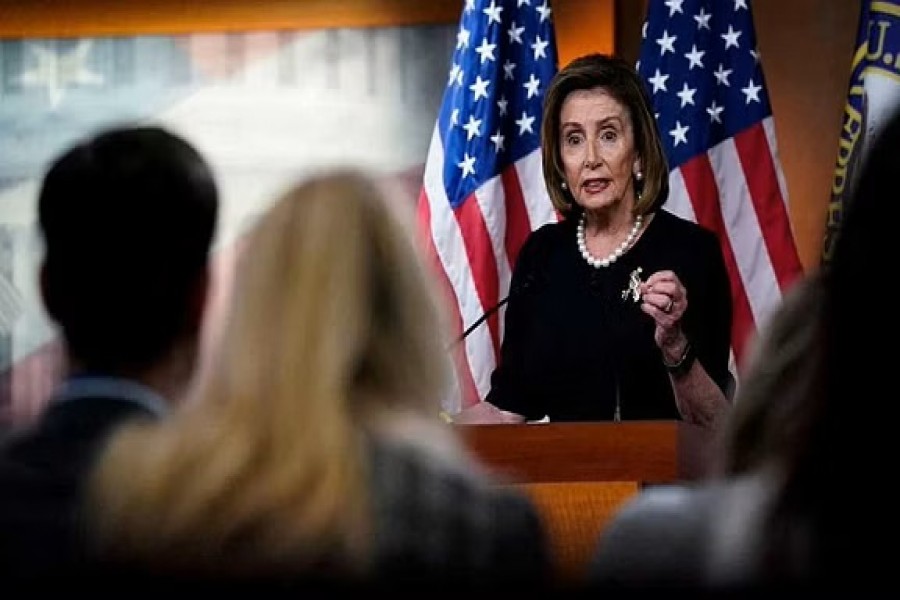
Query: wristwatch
point(684, 364)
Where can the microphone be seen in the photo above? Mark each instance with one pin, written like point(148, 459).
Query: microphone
point(487, 315)
point(535, 275)
point(528, 283)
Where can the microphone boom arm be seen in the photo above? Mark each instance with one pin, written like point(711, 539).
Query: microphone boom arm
point(482, 319)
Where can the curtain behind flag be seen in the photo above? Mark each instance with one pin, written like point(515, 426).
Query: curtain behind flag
point(873, 93)
point(700, 61)
point(483, 190)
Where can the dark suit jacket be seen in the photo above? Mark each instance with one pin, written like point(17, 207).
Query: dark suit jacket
point(41, 473)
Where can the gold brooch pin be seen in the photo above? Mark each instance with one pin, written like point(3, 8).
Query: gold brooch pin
point(633, 288)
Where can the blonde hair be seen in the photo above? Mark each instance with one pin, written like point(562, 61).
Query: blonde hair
point(332, 325)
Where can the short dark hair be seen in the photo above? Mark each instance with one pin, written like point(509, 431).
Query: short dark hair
point(127, 218)
point(623, 83)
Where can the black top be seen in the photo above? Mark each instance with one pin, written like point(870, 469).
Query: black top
point(572, 343)
point(42, 470)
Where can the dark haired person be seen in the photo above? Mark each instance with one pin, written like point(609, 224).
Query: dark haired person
point(127, 219)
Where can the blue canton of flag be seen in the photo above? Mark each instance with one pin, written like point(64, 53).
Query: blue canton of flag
point(483, 190)
point(703, 71)
point(703, 68)
point(491, 113)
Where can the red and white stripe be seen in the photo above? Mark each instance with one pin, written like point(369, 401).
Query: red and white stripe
point(737, 190)
point(474, 248)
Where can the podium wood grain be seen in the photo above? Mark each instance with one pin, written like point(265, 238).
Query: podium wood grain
point(579, 474)
point(640, 451)
point(573, 514)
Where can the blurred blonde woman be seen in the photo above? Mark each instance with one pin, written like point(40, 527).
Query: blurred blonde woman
point(313, 447)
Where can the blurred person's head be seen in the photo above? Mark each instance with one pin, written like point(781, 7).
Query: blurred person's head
point(841, 428)
point(333, 301)
point(849, 431)
point(784, 372)
point(813, 411)
point(332, 327)
point(127, 219)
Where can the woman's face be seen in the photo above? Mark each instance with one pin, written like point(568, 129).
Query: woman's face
point(596, 144)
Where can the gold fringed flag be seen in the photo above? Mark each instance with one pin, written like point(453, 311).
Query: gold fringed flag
point(873, 95)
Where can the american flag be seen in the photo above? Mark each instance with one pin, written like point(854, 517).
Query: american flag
point(700, 60)
point(483, 189)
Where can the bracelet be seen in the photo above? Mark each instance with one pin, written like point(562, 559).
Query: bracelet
point(684, 364)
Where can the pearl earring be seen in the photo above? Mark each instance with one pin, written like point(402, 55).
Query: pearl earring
point(563, 185)
point(639, 176)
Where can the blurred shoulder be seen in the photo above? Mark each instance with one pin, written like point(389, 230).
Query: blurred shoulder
point(425, 461)
point(440, 514)
point(668, 508)
point(658, 538)
point(703, 534)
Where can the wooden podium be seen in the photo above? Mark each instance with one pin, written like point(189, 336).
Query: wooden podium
point(638, 451)
point(580, 474)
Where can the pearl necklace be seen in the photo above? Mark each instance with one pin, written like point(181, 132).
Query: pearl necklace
point(615, 254)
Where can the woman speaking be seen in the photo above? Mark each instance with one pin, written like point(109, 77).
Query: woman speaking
point(620, 311)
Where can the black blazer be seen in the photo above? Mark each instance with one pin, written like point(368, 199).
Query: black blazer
point(41, 473)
